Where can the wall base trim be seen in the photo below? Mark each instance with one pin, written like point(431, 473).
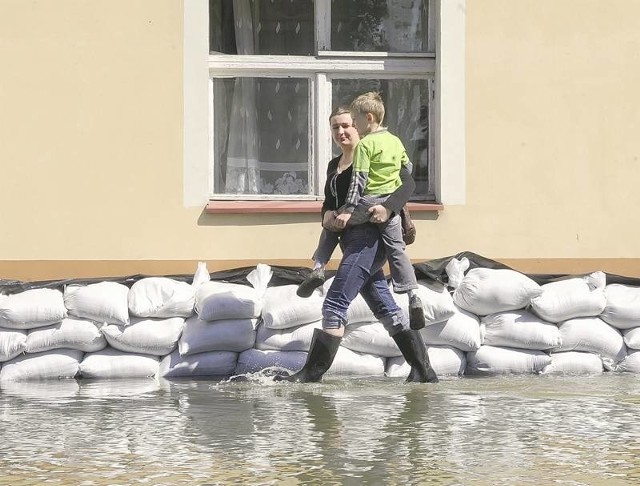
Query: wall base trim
point(35, 270)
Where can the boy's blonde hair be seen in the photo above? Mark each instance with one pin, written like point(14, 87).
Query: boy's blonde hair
point(370, 102)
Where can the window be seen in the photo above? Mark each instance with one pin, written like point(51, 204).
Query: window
point(278, 67)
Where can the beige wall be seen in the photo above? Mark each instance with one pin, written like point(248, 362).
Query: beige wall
point(91, 151)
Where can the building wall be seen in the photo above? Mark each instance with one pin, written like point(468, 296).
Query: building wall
point(91, 144)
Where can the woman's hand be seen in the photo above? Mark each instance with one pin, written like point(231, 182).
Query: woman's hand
point(342, 220)
point(379, 214)
point(329, 221)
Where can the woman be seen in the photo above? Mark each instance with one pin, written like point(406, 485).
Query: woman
point(360, 269)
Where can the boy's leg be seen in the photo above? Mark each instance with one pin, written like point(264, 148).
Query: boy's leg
point(326, 245)
point(402, 271)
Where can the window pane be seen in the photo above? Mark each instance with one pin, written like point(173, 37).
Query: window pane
point(276, 27)
point(407, 111)
point(260, 136)
point(379, 25)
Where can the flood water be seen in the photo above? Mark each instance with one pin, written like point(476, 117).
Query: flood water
point(514, 430)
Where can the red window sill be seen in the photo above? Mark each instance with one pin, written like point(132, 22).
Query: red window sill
point(251, 207)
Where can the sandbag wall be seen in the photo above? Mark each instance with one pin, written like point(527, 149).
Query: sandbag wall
point(484, 321)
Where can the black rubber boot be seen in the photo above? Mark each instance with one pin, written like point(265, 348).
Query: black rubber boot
point(323, 349)
point(415, 353)
point(416, 313)
point(311, 282)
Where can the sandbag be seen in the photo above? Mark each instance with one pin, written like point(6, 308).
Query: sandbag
point(32, 308)
point(593, 335)
point(351, 363)
point(570, 298)
point(160, 297)
point(48, 365)
point(12, 343)
point(282, 308)
point(370, 338)
point(462, 331)
point(291, 339)
point(213, 363)
point(437, 302)
point(223, 300)
point(71, 333)
point(632, 337)
point(495, 360)
point(254, 360)
point(574, 362)
point(622, 309)
point(445, 361)
point(158, 337)
point(630, 363)
point(200, 336)
point(485, 291)
point(519, 329)
point(359, 311)
point(110, 363)
point(101, 302)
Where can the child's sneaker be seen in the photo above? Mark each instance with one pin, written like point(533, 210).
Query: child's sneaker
point(314, 280)
point(416, 313)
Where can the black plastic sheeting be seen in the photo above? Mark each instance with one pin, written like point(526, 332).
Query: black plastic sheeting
point(282, 275)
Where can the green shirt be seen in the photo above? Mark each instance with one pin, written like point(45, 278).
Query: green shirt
point(380, 155)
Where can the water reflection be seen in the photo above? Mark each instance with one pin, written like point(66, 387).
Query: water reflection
point(484, 431)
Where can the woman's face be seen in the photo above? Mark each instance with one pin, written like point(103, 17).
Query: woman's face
point(343, 132)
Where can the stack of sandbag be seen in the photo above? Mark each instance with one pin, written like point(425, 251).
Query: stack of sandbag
point(622, 311)
point(224, 325)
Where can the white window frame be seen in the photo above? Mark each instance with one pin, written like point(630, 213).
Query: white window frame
point(448, 103)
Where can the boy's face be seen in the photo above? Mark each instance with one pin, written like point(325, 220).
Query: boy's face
point(362, 122)
point(343, 132)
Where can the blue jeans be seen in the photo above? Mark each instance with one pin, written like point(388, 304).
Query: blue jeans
point(360, 271)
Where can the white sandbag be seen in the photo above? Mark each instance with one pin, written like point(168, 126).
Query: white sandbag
point(359, 311)
point(201, 276)
point(494, 360)
point(282, 308)
point(224, 300)
point(630, 363)
point(49, 365)
point(462, 331)
point(291, 339)
point(519, 329)
point(158, 337)
point(370, 338)
point(161, 297)
point(485, 291)
point(593, 335)
point(12, 343)
point(254, 360)
point(574, 362)
point(214, 363)
point(111, 363)
point(437, 302)
point(71, 333)
point(32, 308)
point(622, 309)
point(455, 270)
point(570, 298)
point(200, 336)
point(632, 337)
point(445, 361)
point(350, 363)
point(101, 302)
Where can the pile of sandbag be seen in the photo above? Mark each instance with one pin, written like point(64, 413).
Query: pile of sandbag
point(481, 321)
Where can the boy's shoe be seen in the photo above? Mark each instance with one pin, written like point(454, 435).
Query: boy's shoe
point(416, 313)
point(314, 280)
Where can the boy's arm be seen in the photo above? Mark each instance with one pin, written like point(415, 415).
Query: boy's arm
point(396, 201)
point(358, 179)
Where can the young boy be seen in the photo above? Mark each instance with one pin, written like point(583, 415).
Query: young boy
point(377, 161)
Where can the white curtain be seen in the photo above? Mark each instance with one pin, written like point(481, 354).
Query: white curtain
point(243, 173)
